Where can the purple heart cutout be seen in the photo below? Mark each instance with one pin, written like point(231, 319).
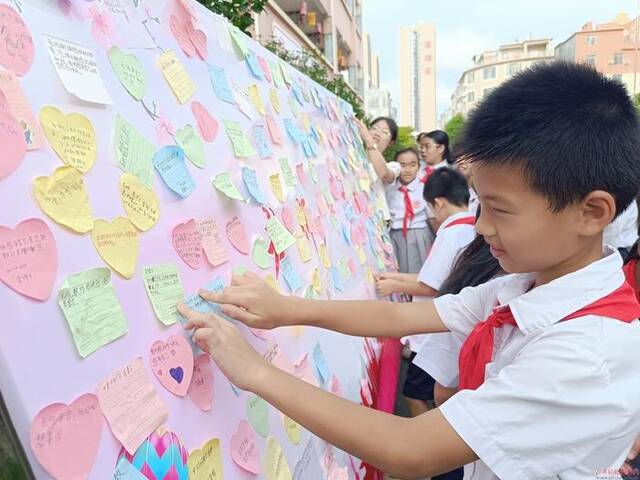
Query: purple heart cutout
point(177, 374)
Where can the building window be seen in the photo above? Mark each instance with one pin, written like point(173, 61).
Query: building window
point(590, 60)
point(471, 96)
point(427, 58)
point(427, 71)
point(514, 68)
point(489, 73)
point(487, 91)
point(618, 58)
point(427, 44)
point(591, 39)
point(470, 77)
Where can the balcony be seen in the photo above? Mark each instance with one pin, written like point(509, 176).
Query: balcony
point(309, 16)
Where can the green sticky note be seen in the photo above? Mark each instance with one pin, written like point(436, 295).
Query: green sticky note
point(164, 289)
point(129, 71)
point(189, 139)
point(239, 142)
point(258, 414)
point(223, 183)
point(92, 310)
point(287, 173)
point(260, 253)
point(285, 73)
point(133, 152)
point(280, 236)
point(278, 81)
point(239, 40)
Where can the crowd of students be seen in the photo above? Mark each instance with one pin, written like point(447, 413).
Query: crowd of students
point(524, 323)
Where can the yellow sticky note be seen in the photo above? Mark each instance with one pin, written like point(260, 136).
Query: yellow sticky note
point(275, 464)
point(140, 203)
point(321, 133)
point(369, 273)
point(64, 198)
point(306, 124)
point(276, 186)
point(365, 185)
point(224, 184)
point(206, 463)
point(280, 236)
point(316, 281)
point(300, 216)
point(176, 76)
point(118, 244)
point(361, 255)
point(254, 95)
point(324, 256)
point(271, 280)
point(275, 99)
point(304, 248)
point(71, 136)
point(293, 430)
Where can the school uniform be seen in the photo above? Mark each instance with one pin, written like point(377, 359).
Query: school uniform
point(409, 233)
point(558, 396)
point(623, 231)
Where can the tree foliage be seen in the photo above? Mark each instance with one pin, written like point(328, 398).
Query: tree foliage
point(454, 128)
point(405, 140)
point(239, 12)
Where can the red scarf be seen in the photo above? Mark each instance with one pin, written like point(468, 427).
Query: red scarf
point(427, 173)
point(408, 210)
point(629, 270)
point(477, 350)
point(471, 220)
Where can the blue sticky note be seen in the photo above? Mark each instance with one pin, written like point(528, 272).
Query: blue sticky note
point(315, 133)
point(170, 163)
point(336, 279)
point(346, 233)
point(344, 165)
point(297, 92)
point(349, 212)
point(126, 471)
point(291, 276)
point(322, 370)
point(250, 179)
point(314, 146)
point(252, 62)
point(294, 133)
point(260, 137)
point(220, 84)
point(306, 147)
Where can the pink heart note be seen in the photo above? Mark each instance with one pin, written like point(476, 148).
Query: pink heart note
point(198, 39)
point(14, 145)
point(16, 43)
point(178, 29)
point(300, 172)
point(264, 66)
point(244, 450)
point(238, 236)
point(29, 258)
point(65, 438)
point(207, 125)
point(287, 219)
point(172, 364)
point(4, 104)
point(187, 243)
point(352, 266)
point(201, 388)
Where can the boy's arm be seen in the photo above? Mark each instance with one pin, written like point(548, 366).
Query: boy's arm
point(409, 448)
point(253, 302)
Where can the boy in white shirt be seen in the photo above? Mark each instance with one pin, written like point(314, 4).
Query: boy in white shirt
point(548, 371)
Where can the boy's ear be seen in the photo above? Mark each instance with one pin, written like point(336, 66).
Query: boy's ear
point(597, 210)
point(438, 202)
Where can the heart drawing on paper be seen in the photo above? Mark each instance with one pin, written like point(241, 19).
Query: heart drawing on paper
point(172, 364)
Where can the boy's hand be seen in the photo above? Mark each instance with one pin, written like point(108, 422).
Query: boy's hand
point(385, 287)
point(240, 363)
point(630, 469)
point(251, 301)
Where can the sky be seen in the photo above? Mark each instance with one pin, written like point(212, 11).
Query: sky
point(467, 27)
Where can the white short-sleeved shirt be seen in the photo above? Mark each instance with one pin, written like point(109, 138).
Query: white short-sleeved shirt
point(623, 231)
point(395, 200)
point(422, 173)
point(450, 241)
point(561, 400)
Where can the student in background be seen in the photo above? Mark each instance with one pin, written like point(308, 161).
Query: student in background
point(463, 165)
point(434, 151)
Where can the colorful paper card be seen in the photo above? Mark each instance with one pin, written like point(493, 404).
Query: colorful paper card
point(16, 43)
point(276, 186)
point(256, 99)
point(201, 388)
point(291, 275)
point(260, 138)
point(190, 141)
point(320, 360)
point(220, 84)
point(250, 178)
point(244, 450)
point(140, 203)
point(254, 66)
point(280, 236)
point(275, 464)
point(129, 71)
point(134, 153)
point(164, 288)
point(118, 243)
point(170, 163)
point(287, 173)
point(205, 463)
point(214, 249)
point(274, 130)
point(92, 310)
point(171, 362)
point(239, 142)
point(20, 109)
point(224, 184)
point(176, 76)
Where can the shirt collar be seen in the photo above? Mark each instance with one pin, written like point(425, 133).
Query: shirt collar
point(453, 218)
point(550, 303)
point(414, 185)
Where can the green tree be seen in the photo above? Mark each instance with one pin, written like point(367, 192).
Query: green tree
point(636, 102)
point(239, 12)
point(405, 140)
point(310, 64)
point(454, 128)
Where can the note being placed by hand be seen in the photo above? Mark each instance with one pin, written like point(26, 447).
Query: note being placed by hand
point(164, 288)
point(134, 153)
point(131, 405)
point(92, 310)
point(176, 76)
point(77, 69)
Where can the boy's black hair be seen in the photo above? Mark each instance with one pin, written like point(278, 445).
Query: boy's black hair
point(406, 150)
point(391, 123)
point(449, 184)
point(569, 128)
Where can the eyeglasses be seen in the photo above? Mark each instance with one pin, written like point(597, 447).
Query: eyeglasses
point(381, 130)
point(428, 146)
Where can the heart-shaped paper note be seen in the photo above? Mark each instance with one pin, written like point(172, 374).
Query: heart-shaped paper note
point(206, 462)
point(64, 198)
point(237, 235)
point(29, 259)
point(258, 414)
point(201, 388)
point(140, 203)
point(14, 145)
point(180, 34)
point(207, 125)
point(16, 43)
point(172, 364)
point(129, 71)
point(191, 143)
point(260, 253)
point(65, 438)
point(274, 463)
point(293, 430)
point(71, 136)
point(244, 450)
point(187, 243)
point(198, 39)
point(118, 244)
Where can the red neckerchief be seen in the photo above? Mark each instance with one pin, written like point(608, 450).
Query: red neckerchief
point(272, 249)
point(409, 214)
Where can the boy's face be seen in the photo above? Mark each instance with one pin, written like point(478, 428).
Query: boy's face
point(440, 209)
point(524, 234)
point(409, 166)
